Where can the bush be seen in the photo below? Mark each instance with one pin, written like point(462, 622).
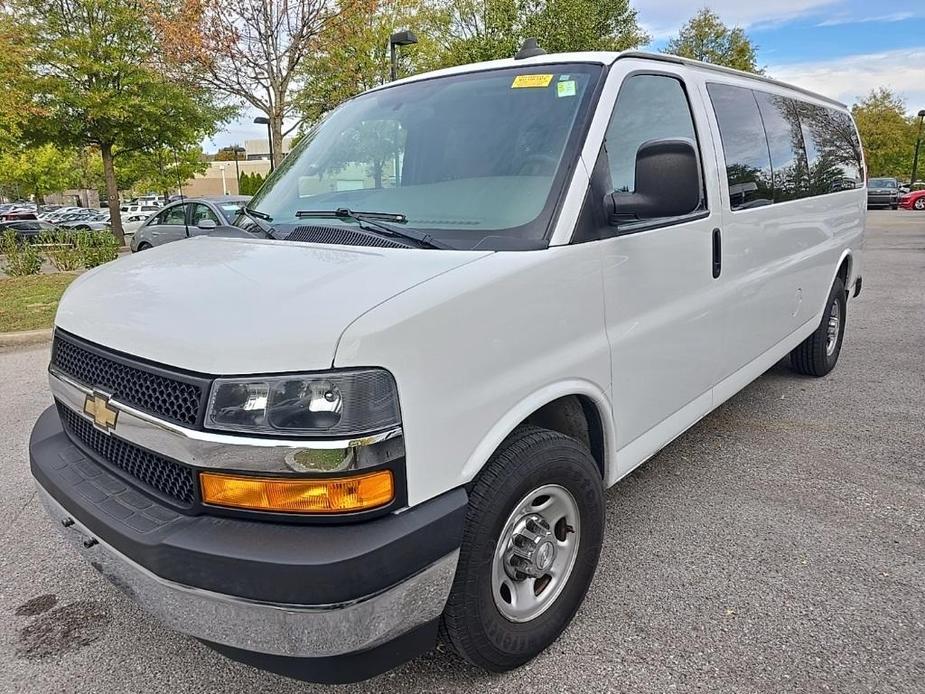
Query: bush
point(22, 258)
point(60, 249)
point(96, 247)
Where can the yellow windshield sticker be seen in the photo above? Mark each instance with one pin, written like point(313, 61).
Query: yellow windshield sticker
point(566, 88)
point(531, 81)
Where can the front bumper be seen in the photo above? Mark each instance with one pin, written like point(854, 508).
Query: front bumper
point(249, 587)
point(882, 199)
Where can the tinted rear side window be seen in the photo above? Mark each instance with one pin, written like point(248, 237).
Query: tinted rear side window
point(781, 118)
point(748, 162)
point(832, 148)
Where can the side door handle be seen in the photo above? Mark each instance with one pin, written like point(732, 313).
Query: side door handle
point(717, 253)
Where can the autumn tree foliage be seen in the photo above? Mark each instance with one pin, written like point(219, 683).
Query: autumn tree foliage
point(887, 132)
point(95, 79)
point(248, 50)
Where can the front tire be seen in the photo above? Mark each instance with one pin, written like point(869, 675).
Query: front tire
point(532, 541)
point(818, 353)
point(919, 203)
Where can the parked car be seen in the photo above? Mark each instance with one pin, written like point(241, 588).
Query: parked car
point(14, 213)
point(315, 453)
point(913, 201)
point(27, 229)
point(131, 222)
point(191, 217)
point(883, 192)
point(89, 222)
point(136, 208)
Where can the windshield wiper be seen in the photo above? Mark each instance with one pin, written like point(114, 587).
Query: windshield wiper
point(377, 223)
point(257, 216)
point(257, 213)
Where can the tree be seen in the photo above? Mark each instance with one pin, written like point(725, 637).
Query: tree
point(226, 154)
point(97, 80)
point(351, 54)
point(250, 50)
point(706, 38)
point(16, 49)
point(887, 133)
point(38, 170)
point(162, 169)
point(492, 29)
point(250, 183)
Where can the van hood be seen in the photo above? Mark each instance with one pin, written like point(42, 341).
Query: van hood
point(236, 306)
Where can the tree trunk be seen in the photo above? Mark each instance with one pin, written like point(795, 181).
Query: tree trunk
point(112, 193)
point(276, 130)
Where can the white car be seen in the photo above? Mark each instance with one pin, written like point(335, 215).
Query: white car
point(131, 223)
point(479, 298)
point(136, 208)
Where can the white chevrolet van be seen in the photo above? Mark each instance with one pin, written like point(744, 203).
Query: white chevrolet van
point(470, 301)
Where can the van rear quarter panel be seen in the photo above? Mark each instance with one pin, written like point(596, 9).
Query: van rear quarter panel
point(476, 350)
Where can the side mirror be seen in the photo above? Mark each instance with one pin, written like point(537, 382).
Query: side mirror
point(206, 224)
point(668, 183)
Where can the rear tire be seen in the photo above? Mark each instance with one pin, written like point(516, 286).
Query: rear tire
point(919, 203)
point(818, 353)
point(541, 492)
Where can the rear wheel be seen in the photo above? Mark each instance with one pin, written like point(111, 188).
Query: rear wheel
point(532, 541)
point(919, 203)
point(818, 353)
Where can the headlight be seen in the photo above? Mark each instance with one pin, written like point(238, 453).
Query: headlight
point(337, 403)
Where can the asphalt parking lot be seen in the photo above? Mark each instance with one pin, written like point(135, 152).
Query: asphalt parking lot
point(778, 546)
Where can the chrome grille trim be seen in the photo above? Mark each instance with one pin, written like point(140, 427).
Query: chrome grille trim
point(203, 449)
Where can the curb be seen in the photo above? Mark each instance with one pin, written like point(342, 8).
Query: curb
point(25, 337)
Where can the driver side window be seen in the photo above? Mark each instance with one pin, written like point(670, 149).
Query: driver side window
point(201, 212)
point(649, 107)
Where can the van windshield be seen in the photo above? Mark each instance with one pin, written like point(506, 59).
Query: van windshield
point(882, 183)
point(466, 158)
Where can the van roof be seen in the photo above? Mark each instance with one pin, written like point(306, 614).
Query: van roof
point(608, 58)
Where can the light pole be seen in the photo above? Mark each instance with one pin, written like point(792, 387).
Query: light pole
point(399, 38)
point(236, 150)
point(918, 143)
point(263, 120)
point(224, 185)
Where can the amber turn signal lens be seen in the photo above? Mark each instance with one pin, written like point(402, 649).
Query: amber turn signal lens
point(332, 495)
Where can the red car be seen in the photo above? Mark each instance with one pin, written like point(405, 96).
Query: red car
point(913, 201)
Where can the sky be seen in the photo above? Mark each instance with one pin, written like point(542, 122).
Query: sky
point(840, 48)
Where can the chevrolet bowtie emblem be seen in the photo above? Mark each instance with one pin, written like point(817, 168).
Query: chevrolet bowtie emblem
point(104, 415)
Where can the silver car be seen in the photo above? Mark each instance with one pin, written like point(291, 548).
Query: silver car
point(190, 217)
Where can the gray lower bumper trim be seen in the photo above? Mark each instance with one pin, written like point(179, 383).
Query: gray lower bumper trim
point(287, 630)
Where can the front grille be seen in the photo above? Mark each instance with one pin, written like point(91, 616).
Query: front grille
point(174, 398)
point(343, 237)
point(169, 478)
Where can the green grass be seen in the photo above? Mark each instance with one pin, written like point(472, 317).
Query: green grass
point(29, 303)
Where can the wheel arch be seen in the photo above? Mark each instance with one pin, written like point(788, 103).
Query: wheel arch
point(554, 407)
point(842, 270)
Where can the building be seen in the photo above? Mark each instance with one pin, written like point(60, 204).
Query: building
point(260, 149)
point(220, 178)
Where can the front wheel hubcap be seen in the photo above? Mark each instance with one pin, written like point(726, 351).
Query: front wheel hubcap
point(833, 328)
point(535, 553)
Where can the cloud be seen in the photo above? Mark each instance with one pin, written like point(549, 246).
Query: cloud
point(661, 18)
point(850, 78)
point(887, 18)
